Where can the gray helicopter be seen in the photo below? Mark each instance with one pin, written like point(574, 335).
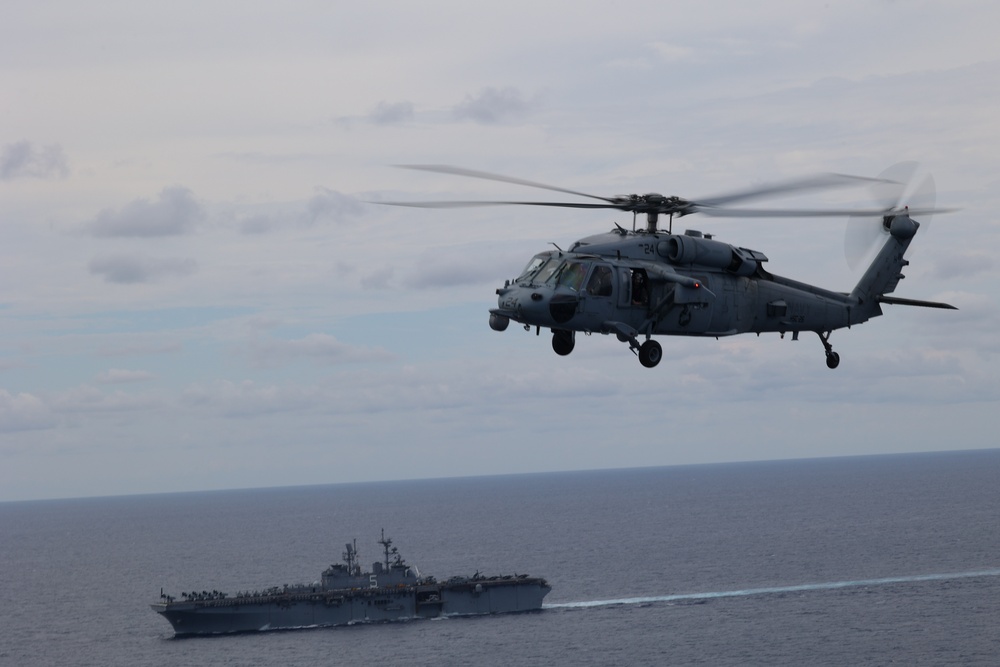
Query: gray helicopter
point(643, 282)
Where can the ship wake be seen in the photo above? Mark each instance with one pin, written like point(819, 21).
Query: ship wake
point(747, 592)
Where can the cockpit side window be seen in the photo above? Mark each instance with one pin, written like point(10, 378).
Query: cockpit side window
point(600, 283)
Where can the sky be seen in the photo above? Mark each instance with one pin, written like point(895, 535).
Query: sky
point(199, 290)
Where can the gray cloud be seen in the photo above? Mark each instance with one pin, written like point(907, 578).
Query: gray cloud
point(391, 113)
point(331, 205)
point(325, 206)
point(258, 224)
point(378, 279)
point(469, 264)
point(173, 213)
point(129, 270)
point(492, 106)
point(475, 270)
point(23, 159)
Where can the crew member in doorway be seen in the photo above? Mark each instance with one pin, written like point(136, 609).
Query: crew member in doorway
point(640, 288)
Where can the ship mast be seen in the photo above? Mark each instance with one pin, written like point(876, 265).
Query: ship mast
point(387, 548)
point(350, 557)
point(386, 543)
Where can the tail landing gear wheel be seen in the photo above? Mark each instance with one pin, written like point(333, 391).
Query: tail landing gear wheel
point(650, 353)
point(832, 360)
point(563, 342)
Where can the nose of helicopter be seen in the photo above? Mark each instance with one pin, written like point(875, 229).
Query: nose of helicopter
point(540, 306)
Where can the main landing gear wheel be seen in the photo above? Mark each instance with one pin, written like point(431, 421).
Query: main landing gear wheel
point(832, 358)
point(563, 342)
point(650, 353)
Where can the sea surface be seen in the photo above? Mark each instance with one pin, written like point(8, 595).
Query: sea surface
point(852, 561)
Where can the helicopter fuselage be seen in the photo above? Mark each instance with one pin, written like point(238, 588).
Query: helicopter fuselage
point(631, 279)
point(642, 283)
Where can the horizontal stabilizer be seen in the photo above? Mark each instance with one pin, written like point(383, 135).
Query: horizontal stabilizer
point(915, 302)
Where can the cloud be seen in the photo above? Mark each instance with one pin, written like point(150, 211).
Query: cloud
point(23, 159)
point(23, 412)
point(492, 106)
point(378, 279)
point(325, 206)
point(453, 272)
point(175, 212)
point(249, 399)
point(394, 113)
point(258, 224)
point(331, 205)
point(139, 348)
point(127, 270)
point(651, 57)
point(88, 399)
point(411, 389)
point(119, 375)
point(317, 347)
point(671, 53)
point(477, 263)
point(965, 265)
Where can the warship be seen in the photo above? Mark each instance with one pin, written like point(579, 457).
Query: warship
point(345, 595)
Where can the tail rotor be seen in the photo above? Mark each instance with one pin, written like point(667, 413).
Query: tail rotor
point(894, 192)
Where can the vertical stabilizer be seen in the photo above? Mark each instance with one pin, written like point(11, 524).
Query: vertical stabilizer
point(885, 271)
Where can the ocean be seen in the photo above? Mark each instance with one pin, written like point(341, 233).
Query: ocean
point(849, 561)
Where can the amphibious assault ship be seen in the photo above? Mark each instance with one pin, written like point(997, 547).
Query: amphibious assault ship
point(391, 591)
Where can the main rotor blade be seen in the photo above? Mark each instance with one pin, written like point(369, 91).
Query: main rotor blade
point(806, 213)
point(472, 204)
point(817, 182)
point(472, 173)
point(708, 211)
point(655, 204)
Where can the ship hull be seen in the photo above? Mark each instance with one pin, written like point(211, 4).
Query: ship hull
point(333, 608)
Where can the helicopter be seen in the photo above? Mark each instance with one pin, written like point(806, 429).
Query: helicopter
point(648, 281)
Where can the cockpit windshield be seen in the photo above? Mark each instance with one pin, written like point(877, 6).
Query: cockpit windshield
point(570, 274)
point(546, 271)
point(532, 266)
